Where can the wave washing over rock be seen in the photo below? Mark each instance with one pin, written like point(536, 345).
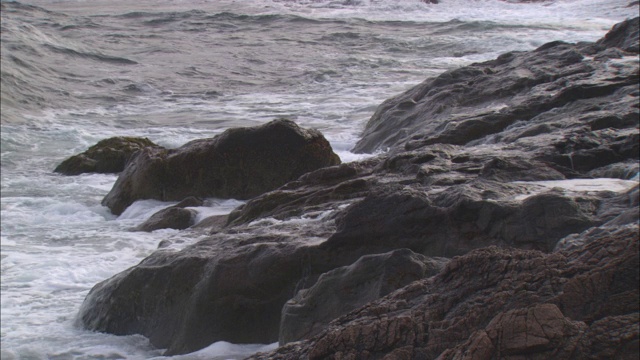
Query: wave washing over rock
point(446, 246)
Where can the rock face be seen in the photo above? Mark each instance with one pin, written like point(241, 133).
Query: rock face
point(107, 156)
point(536, 266)
point(215, 289)
point(347, 288)
point(524, 95)
point(459, 219)
point(240, 163)
point(500, 303)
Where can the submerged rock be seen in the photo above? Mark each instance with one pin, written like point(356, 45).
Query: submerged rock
point(173, 217)
point(240, 163)
point(107, 156)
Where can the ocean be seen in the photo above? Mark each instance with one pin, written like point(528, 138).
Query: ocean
point(74, 72)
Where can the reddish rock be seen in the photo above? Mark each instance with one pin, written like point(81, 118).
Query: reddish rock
point(500, 304)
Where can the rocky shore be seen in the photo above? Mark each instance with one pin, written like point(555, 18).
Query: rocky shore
point(500, 222)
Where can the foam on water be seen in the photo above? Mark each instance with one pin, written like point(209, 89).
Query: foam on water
point(223, 350)
point(215, 207)
point(579, 185)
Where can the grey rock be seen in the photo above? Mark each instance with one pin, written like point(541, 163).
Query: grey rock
point(347, 288)
point(169, 218)
point(482, 100)
point(240, 163)
point(173, 217)
point(461, 218)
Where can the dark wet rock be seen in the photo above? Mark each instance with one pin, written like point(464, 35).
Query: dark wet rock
point(107, 156)
point(517, 93)
point(347, 288)
point(543, 332)
point(173, 217)
point(459, 219)
point(586, 151)
point(192, 298)
point(625, 170)
point(228, 288)
point(240, 163)
point(621, 205)
point(614, 337)
point(520, 249)
point(516, 169)
point(499, 303)
point(190, 201)
point(624, 35)
point(540, 331)
point(613, 121)
point(169, 218)
point(336, 185)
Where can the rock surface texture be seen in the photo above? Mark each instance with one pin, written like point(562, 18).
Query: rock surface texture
point(346, 288)
point(468, 239)
point(107, 156)
point(240, 163)
point(497, 303)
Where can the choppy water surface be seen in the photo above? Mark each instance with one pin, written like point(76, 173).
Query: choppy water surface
point(75, 72)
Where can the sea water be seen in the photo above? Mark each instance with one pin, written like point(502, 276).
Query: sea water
point(76, 72)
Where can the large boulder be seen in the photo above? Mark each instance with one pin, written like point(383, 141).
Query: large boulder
point(229, 288)
point(107, 156)
point(239, 163)
point(518, 95)
point(187, 300)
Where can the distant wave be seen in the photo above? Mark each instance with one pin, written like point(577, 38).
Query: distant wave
point(162, 18)
point(92, 56)
point(12, 6)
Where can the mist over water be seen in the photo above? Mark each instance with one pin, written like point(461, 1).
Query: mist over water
point(76, 72)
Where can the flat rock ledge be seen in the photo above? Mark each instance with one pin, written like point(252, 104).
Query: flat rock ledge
point(497, 234)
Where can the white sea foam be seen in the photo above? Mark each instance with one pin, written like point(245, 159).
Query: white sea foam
point(578, 185)
point(301, 220)
point(223, 350)
point(214, 207)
